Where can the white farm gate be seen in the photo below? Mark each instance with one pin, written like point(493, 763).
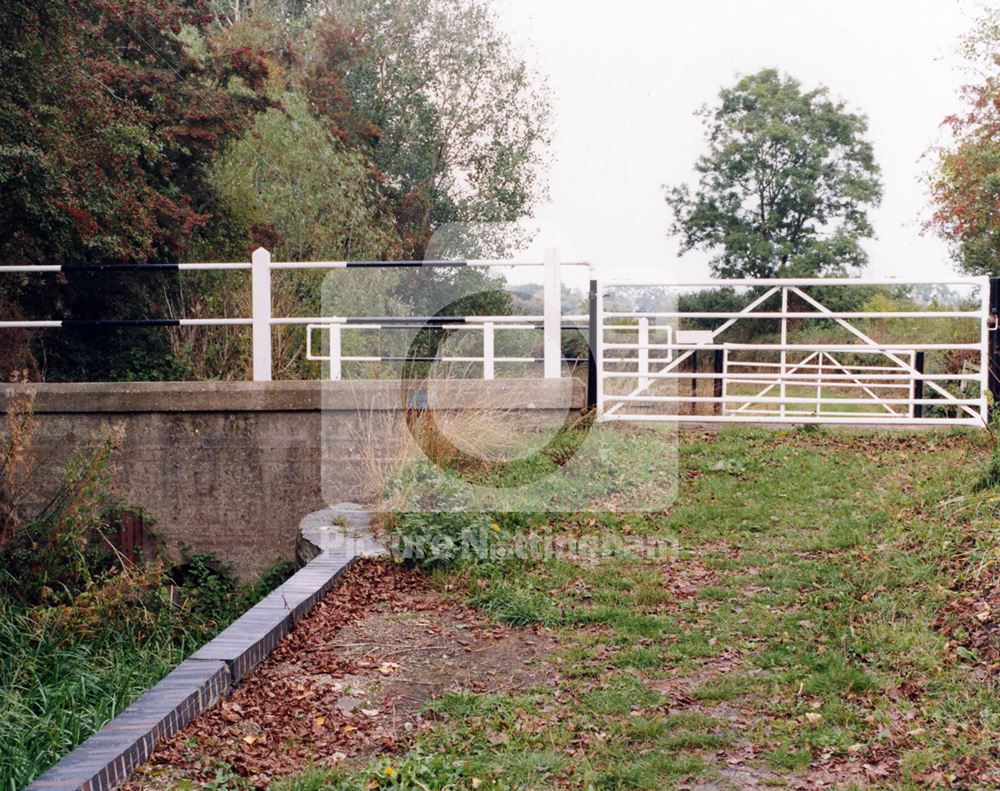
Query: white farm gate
point(783, 354)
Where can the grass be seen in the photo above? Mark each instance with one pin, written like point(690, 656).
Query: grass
point(67, 669)
point(797, 630)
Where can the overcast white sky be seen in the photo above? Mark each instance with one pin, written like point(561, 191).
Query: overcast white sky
point(627, 76)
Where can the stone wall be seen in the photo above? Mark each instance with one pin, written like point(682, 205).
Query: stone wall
point(231, 467)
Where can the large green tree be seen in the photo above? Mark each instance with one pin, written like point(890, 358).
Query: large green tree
point(454, 118)
point(785, 186)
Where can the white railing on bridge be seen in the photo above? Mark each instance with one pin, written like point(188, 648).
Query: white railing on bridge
point(262, 321)
point(335, 327)
point(637, 358)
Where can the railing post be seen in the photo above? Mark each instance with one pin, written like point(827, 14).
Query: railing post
point(784, 352)
point(725, 381)
point(694, 381)
point(261, 304)
point(717, 390)
point(819, 383)
point(593, 328)
point(336, 365)
point(643, 352)
point(489, 365)
point(552, 317)
point(993, 356)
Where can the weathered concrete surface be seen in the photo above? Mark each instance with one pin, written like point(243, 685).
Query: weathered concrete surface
point(232, 467)
point(342, 531)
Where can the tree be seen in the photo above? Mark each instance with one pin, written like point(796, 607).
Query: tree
point(109, 115)
point(456, 122)
point(785, 186)
point(315, 200)
point(965, 184)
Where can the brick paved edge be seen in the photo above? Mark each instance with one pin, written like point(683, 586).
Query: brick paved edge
point(109, 757)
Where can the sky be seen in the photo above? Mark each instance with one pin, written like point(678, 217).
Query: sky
point(626, 78)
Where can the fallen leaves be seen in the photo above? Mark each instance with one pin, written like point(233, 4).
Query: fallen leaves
point(350, 681)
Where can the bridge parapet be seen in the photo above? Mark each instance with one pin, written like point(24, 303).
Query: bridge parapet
point(232, 467)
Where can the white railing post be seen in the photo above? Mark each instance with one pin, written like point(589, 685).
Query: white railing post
point(725, 382)
point(784, 341)
point(336, 367)
point(597, 334)
point(912, 413)
point(552, 329)
point(986, 285)
point(489, 367)
point(261, 304)
point(819, 384)
point(643, 352)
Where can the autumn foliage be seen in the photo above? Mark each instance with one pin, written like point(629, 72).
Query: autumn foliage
point(138, 131)
point(966, 184)
point(107, 122)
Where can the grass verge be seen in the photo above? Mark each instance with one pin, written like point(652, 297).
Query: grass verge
point(807, 631)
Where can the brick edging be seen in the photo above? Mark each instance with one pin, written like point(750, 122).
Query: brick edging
point(109, 757)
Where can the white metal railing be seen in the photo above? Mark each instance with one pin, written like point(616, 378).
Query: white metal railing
point(488, 326)
point(638, 357)
point(262, 321)
point(767, 380)
point(262, 267)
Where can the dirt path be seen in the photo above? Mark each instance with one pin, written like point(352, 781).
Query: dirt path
point(350, 682)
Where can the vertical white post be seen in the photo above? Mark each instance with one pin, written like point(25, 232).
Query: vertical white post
point(643, 351)
point(984, 353)
point(912, 412)
point(552, 329)
point(261, 303)
point(489, 370)
point(336, 366)
point(784, 341)
point(725, 382)
point(598, 336)
point(819, 384)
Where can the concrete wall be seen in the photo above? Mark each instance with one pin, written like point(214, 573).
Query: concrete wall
point(231, 467)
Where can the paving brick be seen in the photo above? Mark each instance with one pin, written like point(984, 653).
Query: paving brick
point(108, 757)
point(252, 636)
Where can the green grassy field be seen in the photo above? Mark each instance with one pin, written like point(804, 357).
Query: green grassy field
point(813, 627)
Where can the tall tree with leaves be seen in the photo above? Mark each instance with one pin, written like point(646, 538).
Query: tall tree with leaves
point(965, 184)
point(454, 118)
point(785, 186)
point(109, 115)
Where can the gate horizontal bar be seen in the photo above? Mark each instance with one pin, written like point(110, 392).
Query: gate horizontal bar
point(888, 420)
point(777, 378)
point(816, 347)
point(804, 281)
point(750, 399)
point(909, 314)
